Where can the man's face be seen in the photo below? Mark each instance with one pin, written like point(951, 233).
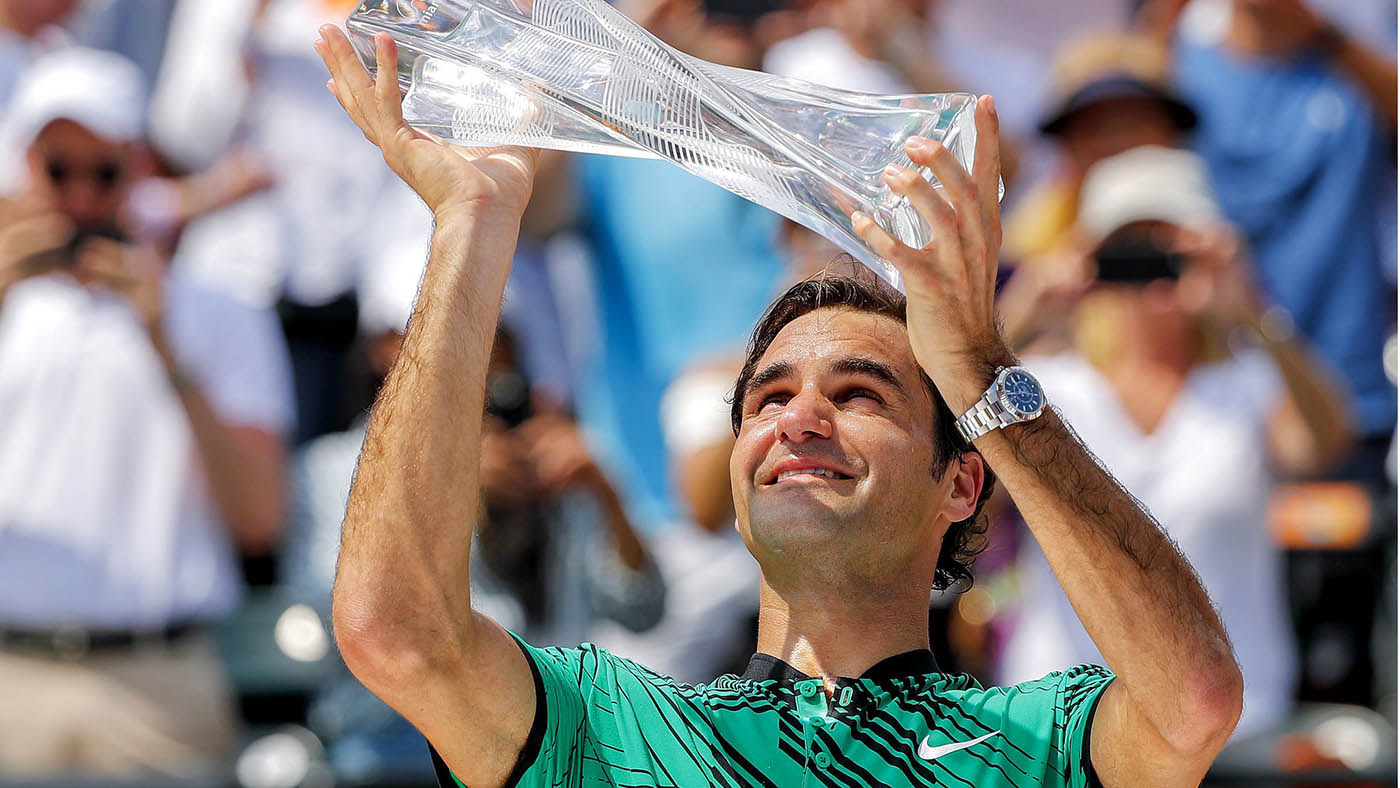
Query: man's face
point(835, 447)
point(1110, 127)
point(79, 174)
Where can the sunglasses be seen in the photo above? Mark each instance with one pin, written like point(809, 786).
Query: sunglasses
point(105, 175)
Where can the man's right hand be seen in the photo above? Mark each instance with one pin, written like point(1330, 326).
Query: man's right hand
point(482, 182)
point(31, 240)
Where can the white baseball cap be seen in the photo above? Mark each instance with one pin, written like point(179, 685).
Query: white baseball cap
point(1146, 183)
point(102, 91)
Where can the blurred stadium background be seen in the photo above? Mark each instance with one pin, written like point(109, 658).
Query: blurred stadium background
point(205, 272)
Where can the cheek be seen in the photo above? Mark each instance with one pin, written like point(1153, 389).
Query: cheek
point(749, 450)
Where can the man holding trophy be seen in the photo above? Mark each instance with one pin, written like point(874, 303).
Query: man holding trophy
point(869, 428)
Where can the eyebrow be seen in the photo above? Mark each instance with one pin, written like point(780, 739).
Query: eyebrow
point(855, 365)
point(869, 368)
point(767, 375)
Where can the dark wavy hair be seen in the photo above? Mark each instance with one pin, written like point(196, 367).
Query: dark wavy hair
point(862, 291)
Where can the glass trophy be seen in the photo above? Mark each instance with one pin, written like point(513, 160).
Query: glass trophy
point(578, 75)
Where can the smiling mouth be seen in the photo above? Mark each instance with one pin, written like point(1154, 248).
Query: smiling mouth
point(819, 472)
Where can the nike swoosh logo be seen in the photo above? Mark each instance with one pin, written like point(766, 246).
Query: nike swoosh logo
point(932, 753)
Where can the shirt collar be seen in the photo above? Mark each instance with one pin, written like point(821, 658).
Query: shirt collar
point(919, 662)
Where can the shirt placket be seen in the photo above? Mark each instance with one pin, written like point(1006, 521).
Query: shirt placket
point(811, 705)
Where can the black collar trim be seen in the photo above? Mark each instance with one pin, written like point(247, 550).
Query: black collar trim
point(919, 662)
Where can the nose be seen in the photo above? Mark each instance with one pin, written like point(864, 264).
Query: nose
point(805, 416)
point(82, 201)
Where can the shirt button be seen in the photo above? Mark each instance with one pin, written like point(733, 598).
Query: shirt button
point(822, 760)
point(817, 722)
point(807, 690)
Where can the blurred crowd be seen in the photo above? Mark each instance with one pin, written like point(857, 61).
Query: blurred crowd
point(206, 273)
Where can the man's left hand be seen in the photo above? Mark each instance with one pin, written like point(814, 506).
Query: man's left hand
point(951, 282)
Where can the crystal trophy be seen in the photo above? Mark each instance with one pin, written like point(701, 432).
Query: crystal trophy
point(578, 75)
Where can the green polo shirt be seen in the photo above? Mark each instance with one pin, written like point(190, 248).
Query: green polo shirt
point(602, 721)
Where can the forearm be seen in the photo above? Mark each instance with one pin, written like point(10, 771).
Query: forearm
point(402, 580)
point(630, 551)
point(1138, 598)
point(1136, 595)
point(1320, 409)
point(246, 485)
point(1374, 73)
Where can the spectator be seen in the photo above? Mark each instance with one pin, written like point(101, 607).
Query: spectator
point(1111, 93)
point(554, 554)
point(241, 74)
point(871, 47)
point(142, 421)
point(861, 45)
point(1298, 124)
point(1006, 48)
point(1195, 430)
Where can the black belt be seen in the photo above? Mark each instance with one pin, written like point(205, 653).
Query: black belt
point(78, 642)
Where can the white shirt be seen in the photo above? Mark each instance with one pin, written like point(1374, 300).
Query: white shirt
point(310, 235)
point(1204, 474)
point(105, 518)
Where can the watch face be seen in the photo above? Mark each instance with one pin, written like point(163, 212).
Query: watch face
point(1021, 393)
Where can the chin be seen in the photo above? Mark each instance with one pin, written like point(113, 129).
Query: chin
point(795, 527)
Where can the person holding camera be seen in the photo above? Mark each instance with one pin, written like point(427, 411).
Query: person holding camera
point(1195, 392)
point(142, 419)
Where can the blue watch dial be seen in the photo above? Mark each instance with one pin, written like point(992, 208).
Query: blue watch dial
point(1022, 392)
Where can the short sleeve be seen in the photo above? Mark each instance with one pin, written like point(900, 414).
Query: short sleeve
point(592, 710)
point(238, 354)
point(1048, 721)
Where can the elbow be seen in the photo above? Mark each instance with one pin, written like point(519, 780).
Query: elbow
point(1211, 706)
point(374, 646)
point(394, 640)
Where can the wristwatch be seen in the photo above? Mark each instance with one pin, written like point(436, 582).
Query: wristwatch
point(1015, 396)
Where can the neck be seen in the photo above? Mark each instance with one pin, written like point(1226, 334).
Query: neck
point(828, 631)
point(1251, 34)
point(1167, 347)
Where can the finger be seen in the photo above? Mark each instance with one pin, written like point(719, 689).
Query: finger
point(890, 250)
point(351, 78)
point(16, 209)
point(986, 161)
point(342, 96)
point(105, 267)
point(935, 210)
point(348, 104)
point(32, 236)
point(959, 191)
point(388, 99)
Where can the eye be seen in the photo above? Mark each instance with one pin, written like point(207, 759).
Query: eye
point(774, 398)
point(860, 393)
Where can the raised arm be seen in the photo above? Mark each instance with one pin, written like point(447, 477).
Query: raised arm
point(1178, 690)
point(401, 607)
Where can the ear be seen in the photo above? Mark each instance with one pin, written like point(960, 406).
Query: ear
point(968, 473)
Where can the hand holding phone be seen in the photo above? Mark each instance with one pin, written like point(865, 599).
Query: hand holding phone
point(33, 240)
